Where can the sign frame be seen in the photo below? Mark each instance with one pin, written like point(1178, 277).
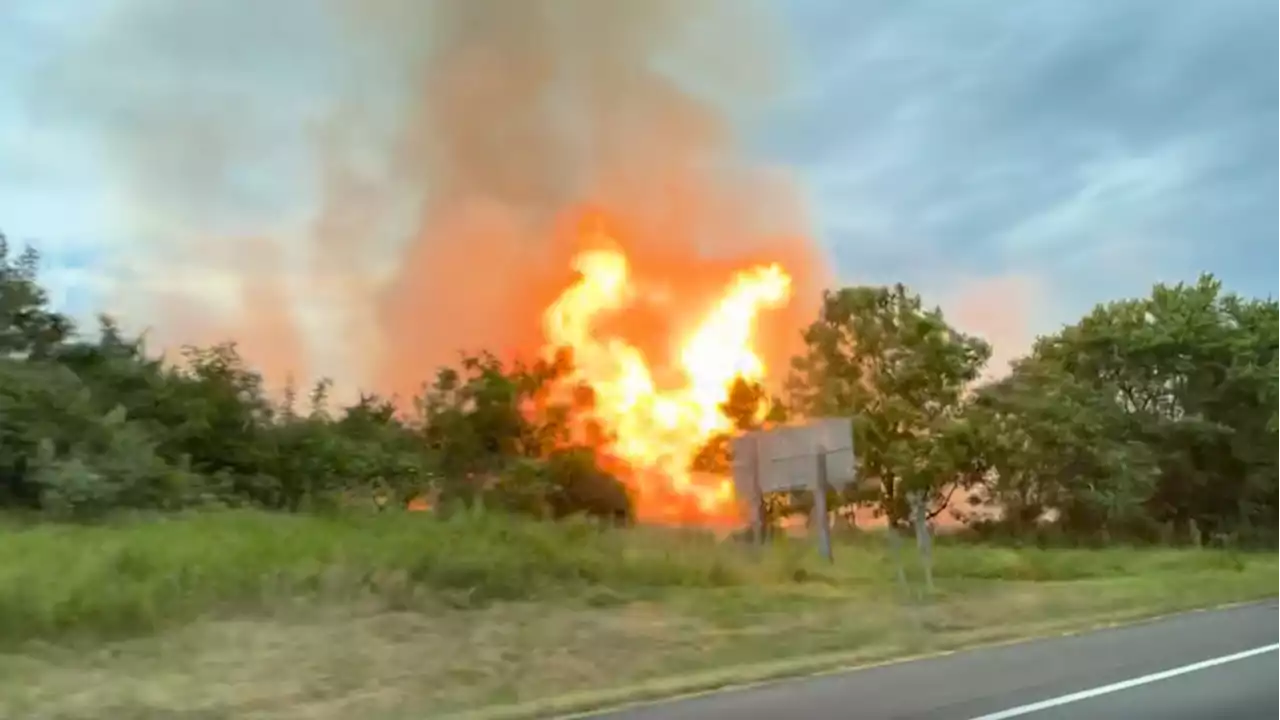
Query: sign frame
point(812, 455)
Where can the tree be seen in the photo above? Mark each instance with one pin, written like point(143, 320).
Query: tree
point(900, 372)
point(498, 437)
point(68, 449)
point(748, 406)
point(1194, 371)
point(1149, 416)
point(1049, 445)
point(89, 425)
point(28, 327)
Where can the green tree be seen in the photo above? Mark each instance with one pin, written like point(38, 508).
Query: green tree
point(1194, 370)
point(498, 437)
point(28, 327)
point(65, 448)
point(742, 407)
point(1149, 413)
point(876, 355)
point(1046, 444)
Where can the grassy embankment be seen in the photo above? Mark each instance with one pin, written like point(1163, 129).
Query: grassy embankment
point(249, 616)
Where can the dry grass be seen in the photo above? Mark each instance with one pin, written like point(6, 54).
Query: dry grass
point(396, 649)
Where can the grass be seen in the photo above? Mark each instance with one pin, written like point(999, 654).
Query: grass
point(245, 615)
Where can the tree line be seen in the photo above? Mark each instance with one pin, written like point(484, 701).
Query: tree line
point(1150, 419)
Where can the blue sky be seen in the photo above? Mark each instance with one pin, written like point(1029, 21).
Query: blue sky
point(1006, 157)
point(49, 192)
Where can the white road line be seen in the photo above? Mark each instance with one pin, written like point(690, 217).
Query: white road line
point(1126, 684)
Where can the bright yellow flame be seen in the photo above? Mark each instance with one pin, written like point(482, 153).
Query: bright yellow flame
point(657, 432)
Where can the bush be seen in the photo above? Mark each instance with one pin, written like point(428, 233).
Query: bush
point(568, 482)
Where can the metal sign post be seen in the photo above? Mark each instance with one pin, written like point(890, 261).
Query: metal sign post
point(820, 515)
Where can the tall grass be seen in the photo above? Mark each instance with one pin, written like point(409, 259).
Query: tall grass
point(59, 582)
point(131, 577)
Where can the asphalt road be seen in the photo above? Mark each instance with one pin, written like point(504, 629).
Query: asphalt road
point(1215, 665)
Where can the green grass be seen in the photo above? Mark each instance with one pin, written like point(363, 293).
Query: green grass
point(136, 577)
point(244, 614)
point(1042, 565)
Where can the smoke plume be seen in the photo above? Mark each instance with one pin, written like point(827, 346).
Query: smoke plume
point(364, 189)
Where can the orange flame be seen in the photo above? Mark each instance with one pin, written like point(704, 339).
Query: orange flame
point(656, 432)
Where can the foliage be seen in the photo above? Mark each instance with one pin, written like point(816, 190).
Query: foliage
point(749, 407)
point(92, 426)
point(900, 372)
point(1186, 379)
point(1055, 444)
point(1151, 419)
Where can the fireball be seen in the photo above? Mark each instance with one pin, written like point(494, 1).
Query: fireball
point(654, 429)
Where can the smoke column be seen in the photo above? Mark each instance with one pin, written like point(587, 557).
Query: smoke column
point(448, 148)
